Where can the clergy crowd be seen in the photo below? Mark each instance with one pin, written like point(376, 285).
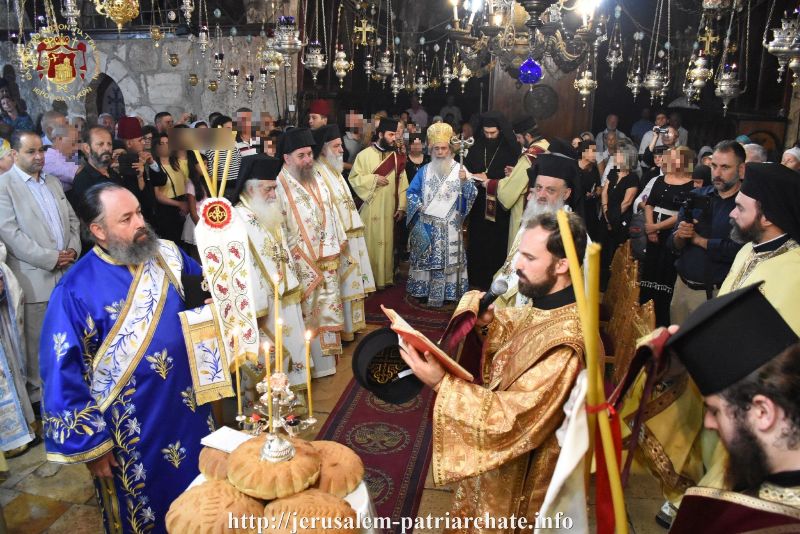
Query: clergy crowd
point(101, 289)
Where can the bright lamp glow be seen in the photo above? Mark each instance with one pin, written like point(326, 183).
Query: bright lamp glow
point(586, 8)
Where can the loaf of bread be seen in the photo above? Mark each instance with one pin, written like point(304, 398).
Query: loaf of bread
point(206, 509)
point(267, 480)
point(312, 510)
point(342, 469)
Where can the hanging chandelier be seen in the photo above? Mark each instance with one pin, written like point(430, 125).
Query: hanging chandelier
point(634, 82)
point(614, 55)
point(120, 11)
point(785, 43)
point(314, 59)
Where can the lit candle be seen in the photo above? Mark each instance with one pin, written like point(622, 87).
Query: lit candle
point(268, 361)
point(455, 10)
point(308, 373)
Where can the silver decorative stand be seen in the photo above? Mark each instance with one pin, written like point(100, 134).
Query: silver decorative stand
point(277, 448)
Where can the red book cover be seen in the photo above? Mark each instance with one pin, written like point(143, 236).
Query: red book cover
point(419, 341)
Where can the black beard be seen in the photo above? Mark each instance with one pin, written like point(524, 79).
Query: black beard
point(753, 233)
point(385, 144)
point(535, 291)
point(493, 142)
point(747, 463)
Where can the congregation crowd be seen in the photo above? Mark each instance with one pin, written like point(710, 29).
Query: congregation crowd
point(337, 213)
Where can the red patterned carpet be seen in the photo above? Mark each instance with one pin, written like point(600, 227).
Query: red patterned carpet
point(429, 321)
point(394, 441)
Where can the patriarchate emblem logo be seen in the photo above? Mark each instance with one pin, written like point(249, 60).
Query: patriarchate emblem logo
point(64, 62)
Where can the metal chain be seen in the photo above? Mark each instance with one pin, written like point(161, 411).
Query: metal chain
point(766, 24)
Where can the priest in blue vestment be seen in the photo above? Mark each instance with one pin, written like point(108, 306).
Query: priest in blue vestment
point(439, 198)
point(118, 392)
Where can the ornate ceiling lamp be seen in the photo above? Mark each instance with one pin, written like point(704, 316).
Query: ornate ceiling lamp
point(219, 55)
point(287, 40)
point(314, 59)
point(727, 81)
point(341, 65)
point(785, 40)
point(447, 72)
point(656, 79)
point(634, 82)
point(71, 13)
point(120, 11)
point(614, 54)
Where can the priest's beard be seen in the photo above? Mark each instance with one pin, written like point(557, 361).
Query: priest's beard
point(537, 290)
point(491, 143)
point(335, 160)
point(747, 463)
point(303, 174)
point(753, 233)
point(385, 145)
point(534, 208)
point(144, 247)
point(267, 211)
point(441, 166)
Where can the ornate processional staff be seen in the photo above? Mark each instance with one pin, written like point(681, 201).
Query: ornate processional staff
point(463, 146)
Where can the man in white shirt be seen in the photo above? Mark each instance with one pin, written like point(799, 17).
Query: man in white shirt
point(612, 121)
point(683, 134)
point(418, 115)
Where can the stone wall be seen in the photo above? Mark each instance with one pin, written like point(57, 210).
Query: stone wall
point(150, 84)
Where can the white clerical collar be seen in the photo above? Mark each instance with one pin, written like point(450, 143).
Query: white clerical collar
point(376, 145)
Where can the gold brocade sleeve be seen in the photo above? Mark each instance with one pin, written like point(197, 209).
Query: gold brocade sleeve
point(501, 329)
point(477, 429)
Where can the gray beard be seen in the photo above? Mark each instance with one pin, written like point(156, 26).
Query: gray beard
point(303, 175)
point(441, 166)
point(268, 212)
point(335, 160)
point(534, 208)
point(137, 252)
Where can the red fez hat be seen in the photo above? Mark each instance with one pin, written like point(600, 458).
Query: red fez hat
point(129, 128)
point(320, 107)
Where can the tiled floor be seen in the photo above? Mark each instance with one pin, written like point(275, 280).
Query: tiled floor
point(64, 502)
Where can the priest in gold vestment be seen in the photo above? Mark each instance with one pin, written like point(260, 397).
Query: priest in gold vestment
point(379, 179)
point(767, 217)
point(497, 439)
point(745, 360)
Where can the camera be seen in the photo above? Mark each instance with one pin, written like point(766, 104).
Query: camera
point(660, 130)
point(696, 207)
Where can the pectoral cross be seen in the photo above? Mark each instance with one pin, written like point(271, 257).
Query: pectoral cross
point(364, 29)
point(708, 40)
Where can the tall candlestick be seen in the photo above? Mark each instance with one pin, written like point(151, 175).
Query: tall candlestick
point(279, 345)
point(268, 361)
point(308, 374)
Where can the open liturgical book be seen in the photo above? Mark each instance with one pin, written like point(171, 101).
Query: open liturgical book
point(411, 336)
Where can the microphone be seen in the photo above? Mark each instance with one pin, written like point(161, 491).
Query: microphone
point(499, 287)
